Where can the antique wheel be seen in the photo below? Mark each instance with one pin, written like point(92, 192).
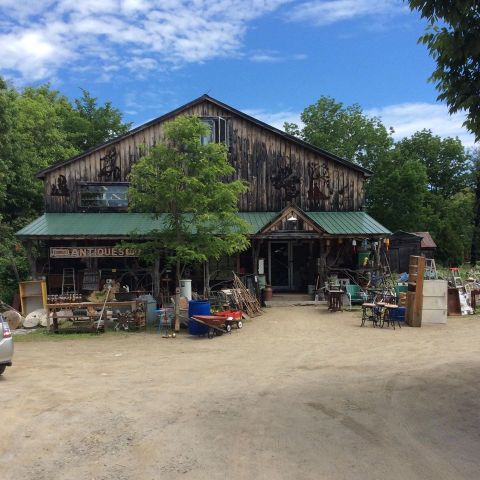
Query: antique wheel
point(239, 324)
point(211, 333)
point(228, 328)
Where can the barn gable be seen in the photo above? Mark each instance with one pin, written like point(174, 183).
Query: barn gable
point(279, 168)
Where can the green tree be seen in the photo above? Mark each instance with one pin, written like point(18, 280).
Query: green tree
point(396, 193)
point(183, 182)
point(446, 162)
point(452, 39)
point(7, 102)
point(38, 138)
point(343, 130)
point(91, 124)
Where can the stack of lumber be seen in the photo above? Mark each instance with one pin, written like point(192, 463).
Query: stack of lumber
point(245, 300)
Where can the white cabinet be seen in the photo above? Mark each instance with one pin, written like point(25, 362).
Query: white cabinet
point(434, 301)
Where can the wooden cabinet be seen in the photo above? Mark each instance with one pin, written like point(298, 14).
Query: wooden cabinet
point(33, 295)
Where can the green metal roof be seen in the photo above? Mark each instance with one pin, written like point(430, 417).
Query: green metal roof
point(345, 223)
point(113, 224)
point(119, 225)
point(257, 220)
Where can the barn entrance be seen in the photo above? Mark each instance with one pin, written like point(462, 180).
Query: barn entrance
point(288, 265)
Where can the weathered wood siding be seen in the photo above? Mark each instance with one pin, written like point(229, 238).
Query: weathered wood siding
point(279, 172)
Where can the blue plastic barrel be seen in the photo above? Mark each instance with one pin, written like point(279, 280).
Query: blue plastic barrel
point(197, 307)
point(398, 314)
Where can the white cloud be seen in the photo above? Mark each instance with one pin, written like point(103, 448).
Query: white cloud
point(39, 38)
point(326, 12)
point(408, 118)
point(274, 56)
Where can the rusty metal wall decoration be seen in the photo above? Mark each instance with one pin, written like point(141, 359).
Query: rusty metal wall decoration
point(319, 187)
point(108, 166)
point(286, 180)
point(60, 187)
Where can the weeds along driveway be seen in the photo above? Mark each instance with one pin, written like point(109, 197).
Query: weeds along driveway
point(298, 393)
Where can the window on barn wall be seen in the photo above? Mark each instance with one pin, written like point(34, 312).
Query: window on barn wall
point(107, 195)
point(218, 130)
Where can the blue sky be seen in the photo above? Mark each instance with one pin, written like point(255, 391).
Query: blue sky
point(269, 58)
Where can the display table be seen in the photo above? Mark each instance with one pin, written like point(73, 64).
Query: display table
point(93, 310)
point(335, 300)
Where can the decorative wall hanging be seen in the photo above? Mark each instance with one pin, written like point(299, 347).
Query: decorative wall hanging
point(318, 182)
point(286, 180)
point(60, 187)
point(108, 166)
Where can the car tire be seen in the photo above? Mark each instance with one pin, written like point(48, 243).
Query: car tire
point(2, 368)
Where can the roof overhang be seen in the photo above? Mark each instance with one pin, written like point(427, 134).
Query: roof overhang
point(121, 226)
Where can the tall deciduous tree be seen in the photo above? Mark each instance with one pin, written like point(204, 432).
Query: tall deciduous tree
point(343, 130)
point(184, 183)
point(92, 124)
point(452, 39)
point(446, 162)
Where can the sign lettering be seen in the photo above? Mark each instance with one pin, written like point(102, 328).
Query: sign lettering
point(91, 252)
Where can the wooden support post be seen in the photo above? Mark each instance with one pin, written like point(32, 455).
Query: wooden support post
point(156, 279)
point(206, 286)
point(32, 259)
point(177, 309)
point(323, 271)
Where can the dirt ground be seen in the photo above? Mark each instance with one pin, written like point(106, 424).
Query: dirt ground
point(299, 393)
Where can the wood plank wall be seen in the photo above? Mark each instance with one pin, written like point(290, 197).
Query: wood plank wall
point(279, 172)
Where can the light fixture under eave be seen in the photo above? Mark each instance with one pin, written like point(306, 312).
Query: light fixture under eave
point(292, 218)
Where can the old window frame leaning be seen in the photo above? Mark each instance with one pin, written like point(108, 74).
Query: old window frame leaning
point(110, 195)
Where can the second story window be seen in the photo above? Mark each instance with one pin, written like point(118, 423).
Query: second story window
point(218, 130)
point(104, 196)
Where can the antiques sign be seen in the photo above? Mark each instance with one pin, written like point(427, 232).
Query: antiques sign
point(91, 252)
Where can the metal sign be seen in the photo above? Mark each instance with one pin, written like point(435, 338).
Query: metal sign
point(91, 252)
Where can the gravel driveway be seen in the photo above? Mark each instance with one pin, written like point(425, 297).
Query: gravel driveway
point(298, 393)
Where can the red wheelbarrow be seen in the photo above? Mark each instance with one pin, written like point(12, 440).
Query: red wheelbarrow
point(217, 324)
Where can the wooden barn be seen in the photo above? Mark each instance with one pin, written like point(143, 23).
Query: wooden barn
point(304, 206)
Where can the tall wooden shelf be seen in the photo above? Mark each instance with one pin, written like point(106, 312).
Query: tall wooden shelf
point(33, 295)
point(416, 272)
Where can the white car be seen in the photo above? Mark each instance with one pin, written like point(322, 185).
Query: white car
point(6, 345)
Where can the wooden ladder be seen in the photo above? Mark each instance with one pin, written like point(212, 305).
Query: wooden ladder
point(430, 269)
point(68, 280)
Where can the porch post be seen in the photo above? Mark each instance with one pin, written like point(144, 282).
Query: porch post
point(322, 268)
point(156, 279)
point(32, 258)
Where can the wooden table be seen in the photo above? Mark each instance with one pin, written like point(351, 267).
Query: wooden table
point(55, 307)
point(335, 300)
